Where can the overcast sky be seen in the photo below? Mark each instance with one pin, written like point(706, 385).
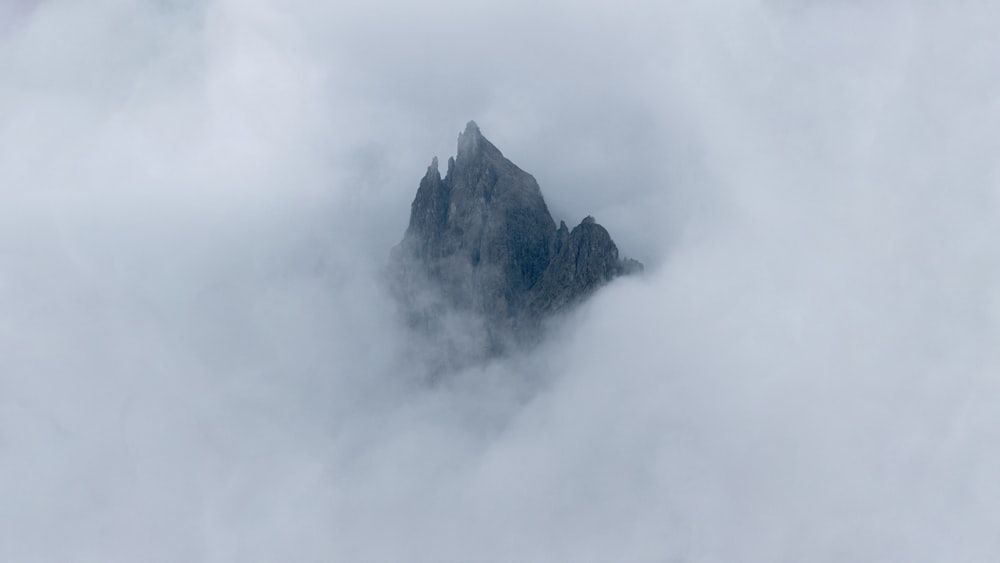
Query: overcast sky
point(198, 364)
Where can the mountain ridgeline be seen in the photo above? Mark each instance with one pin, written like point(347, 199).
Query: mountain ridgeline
point(482, 249)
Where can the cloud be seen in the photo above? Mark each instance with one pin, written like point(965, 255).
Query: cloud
point(196, 361)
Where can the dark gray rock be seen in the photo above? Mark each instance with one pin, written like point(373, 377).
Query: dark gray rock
point(481, 245)
point(585, 259)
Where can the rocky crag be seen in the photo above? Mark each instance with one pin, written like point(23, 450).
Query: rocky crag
point(483, 256)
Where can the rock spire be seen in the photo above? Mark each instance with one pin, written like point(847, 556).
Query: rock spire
point(482, 244)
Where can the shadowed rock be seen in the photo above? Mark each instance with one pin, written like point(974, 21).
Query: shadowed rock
point(482, 246)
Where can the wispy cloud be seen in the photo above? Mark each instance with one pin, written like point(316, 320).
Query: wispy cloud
point(197, 361)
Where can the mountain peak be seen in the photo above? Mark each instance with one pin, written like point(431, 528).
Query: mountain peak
point(481, 243)
point(471, 141)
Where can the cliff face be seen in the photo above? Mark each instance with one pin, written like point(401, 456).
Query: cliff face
point(481, 241)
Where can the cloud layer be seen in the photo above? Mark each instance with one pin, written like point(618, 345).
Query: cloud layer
point(197, 362)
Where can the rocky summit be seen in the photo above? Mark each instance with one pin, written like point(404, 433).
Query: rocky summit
point(482, 252)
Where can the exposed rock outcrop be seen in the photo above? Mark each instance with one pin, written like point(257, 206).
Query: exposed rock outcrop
point(481, 242)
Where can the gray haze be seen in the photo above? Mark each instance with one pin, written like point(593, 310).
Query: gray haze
point(196, 364)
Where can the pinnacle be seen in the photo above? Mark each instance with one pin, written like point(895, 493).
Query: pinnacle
point(471, 139)
point(432, 170)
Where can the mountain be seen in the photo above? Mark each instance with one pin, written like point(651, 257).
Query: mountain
point(481, 246)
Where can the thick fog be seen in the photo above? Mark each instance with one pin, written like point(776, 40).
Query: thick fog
point(198, 363)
